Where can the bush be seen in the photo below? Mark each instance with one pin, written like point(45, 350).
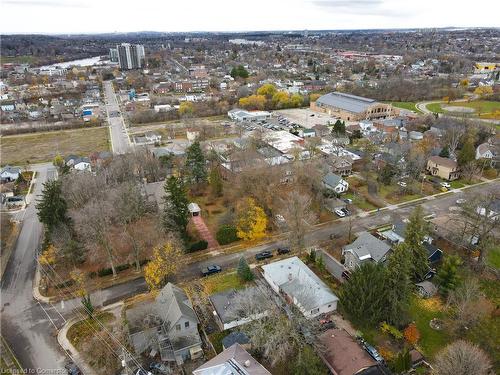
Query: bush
point(104, 272)
point(226, 234)
point(197, 246)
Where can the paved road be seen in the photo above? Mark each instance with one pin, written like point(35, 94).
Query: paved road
point(24, 322)
point(120, 142)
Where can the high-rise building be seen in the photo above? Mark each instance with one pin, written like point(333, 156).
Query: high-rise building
point(130, 56)
point(113, 55)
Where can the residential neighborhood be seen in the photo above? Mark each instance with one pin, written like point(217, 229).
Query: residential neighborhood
point(278, 200)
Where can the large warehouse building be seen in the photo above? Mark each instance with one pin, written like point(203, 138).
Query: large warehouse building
point(351, 107)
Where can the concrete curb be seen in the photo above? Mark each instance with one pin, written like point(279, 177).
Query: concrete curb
point(36, 287)
point(71, 350)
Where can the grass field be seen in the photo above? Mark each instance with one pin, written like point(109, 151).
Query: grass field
point(42, 147)
point(222, 281)
point(493, 258)
point(406, 105)
point(18, 59)
point(483, 108)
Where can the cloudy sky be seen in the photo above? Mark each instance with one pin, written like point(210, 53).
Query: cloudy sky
point(92, 16)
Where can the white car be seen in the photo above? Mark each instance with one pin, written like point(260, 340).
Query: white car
point(445, 185)
point(461, 201)
point(340, 213)
point(402, 184)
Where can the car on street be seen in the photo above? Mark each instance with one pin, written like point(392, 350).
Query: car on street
point(340, 213)
point(72, 369)
point(346, 211)
point(283, 250)
point(461, 201)
point(334, 236)
point(210, 270)
point(263, 255)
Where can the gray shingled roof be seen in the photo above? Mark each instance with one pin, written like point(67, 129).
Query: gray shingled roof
point(347, 102)
point(367, 245)
point(331, 179)
point(172, 303)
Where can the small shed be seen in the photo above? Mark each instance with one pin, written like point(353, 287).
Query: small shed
point(426, 289)
point(194, 209)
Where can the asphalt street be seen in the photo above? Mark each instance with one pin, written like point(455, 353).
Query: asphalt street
point(24, 322)
point(120, 143)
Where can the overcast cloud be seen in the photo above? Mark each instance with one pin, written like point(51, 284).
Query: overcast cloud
point(92, 16)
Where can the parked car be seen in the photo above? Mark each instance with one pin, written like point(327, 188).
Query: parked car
point(340, 213)
point(263, 255)
point(159, 368)
point(371, 350)
point(210, 270)
point(334, 236)
point(461, 201)
point(347, 200)
point(72, 369)
point(346, 274)
point(402, 184)
point(346, 211)
point(445, 185)
point(283, 250)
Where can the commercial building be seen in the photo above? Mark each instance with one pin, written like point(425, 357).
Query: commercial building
point(130, 56)
point(351, 107)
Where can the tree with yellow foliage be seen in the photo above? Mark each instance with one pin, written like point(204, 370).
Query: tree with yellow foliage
point(48, 256)
point(167, 259)
point(251, 220)
point(281, 99)
point(314, 97)
point(186, 108)
point(268, 90)
point(253, 102)
point(483, 90)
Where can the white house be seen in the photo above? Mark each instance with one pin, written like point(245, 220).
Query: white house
point(335, 182)
point(487, 151)
point(9, 173)
point(300, 286)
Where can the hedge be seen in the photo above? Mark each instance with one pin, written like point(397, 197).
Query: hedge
point(200, 245)
point(226, 234)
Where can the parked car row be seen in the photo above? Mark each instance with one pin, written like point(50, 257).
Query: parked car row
point(342, 212)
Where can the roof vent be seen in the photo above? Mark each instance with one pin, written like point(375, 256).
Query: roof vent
point(247, 363)
point(290, 277)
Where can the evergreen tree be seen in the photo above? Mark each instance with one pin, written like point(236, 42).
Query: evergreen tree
point(215, 180)
point(447, 278)
point(196, 167)
point(176, 214)
point(244, 271)
point(399, 286)
point(52, 207)
point(467, 153)
point(339, 127)
point(445, 152)
point(364, 297)
point(416, 231)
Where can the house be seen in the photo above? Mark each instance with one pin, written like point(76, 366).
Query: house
point(307, 133)
point(78, 163)
point(426, 289)
point(232, 361)
point(341, 165)
point(351, 107)
point(445, 168)
point(365, 248)
point(168, 326)
point(336, 183)
point(343, 355)
point(239, 115)
point(487, 151)
point(226, 316)
point(9, 173)
point(299, 285)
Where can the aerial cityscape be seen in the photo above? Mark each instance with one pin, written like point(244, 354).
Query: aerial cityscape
point(311, 190)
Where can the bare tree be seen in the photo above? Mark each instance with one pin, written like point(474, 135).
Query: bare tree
point(79, 188)
point(464, 301)
point(296, 209)
point(452, 136)
point(479, 219)
point(93, 223)
point(462, 358)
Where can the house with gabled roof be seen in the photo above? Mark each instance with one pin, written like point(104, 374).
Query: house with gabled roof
point(366, 248)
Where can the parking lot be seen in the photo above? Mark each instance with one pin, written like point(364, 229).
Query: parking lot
point(305, 117)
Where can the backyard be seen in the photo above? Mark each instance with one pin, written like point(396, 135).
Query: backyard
point(43, 147)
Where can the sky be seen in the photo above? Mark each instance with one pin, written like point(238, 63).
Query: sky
point(96, 16)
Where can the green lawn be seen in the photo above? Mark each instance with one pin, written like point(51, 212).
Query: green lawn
point(18, 59)
point(411, 106)
point(360, 202)
point(435, 107)
point(80, 331)
point(481, 106)
point(222, 281)
point(456, 184)
point(493, 258)
point(431, 340)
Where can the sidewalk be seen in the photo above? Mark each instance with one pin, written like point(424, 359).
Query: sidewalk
point(204, 232)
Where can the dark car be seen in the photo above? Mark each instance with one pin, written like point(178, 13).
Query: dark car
point(283, 250)
point(346, 211)
point(210, 270)
point(263, 255)
point(72, 369)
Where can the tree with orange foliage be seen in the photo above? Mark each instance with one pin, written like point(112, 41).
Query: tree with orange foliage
point(411, 334)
